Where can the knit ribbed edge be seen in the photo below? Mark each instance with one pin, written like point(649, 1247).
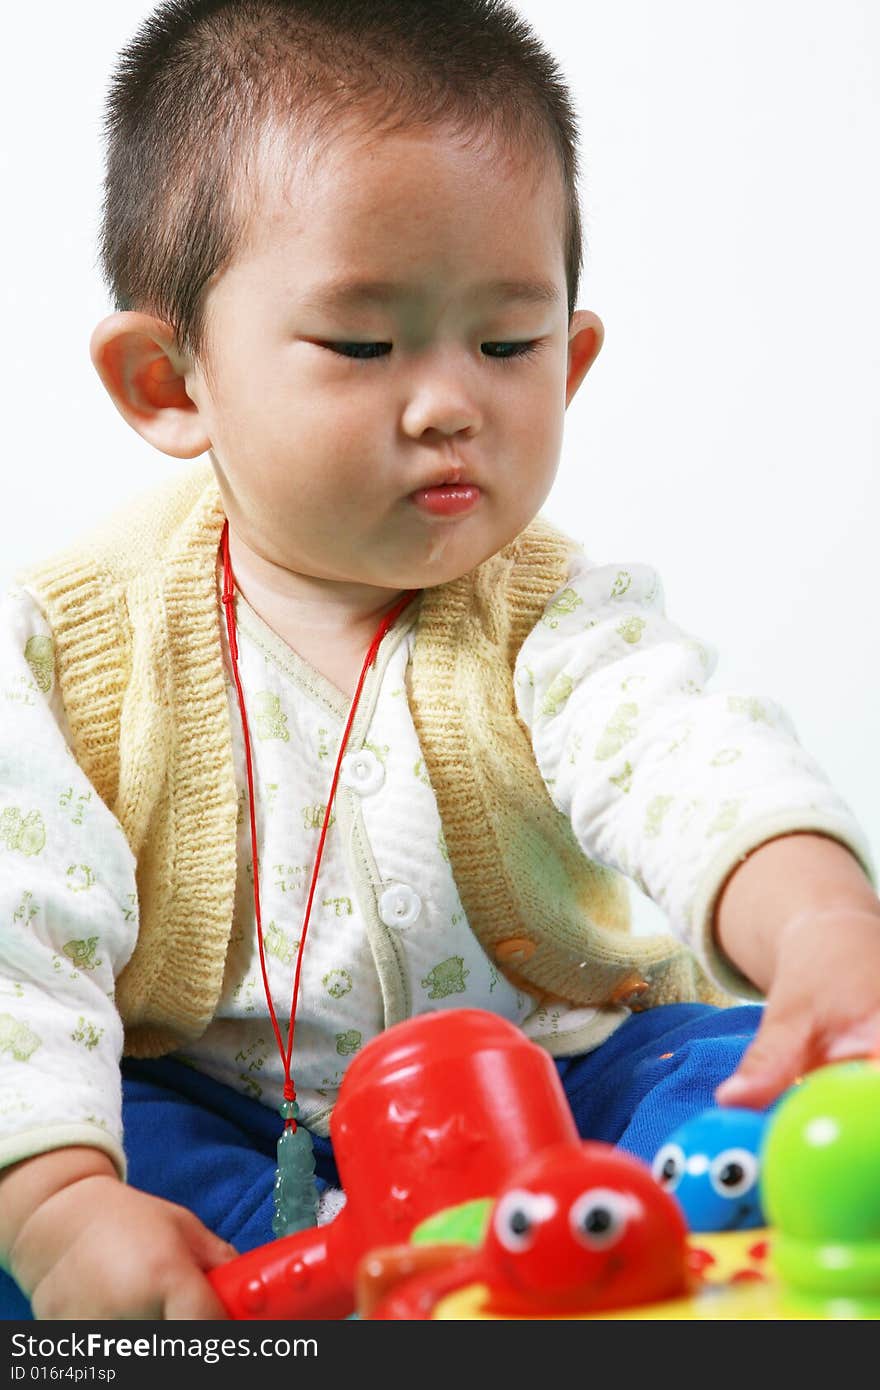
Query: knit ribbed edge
point(446, 673)
point(461, 625)
point(197, 893)
point(156, 556)
point(81, 590)
point(536, 569)
point(492, 726)
point(437, 689)
point(86, 614)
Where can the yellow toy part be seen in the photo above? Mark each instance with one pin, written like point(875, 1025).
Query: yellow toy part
point(738, 1286)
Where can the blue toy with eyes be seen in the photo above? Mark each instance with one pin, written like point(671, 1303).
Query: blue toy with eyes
point(712, 1165)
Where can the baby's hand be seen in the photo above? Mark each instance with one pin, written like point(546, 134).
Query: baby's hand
point(823, 1005)
point(100, 1249)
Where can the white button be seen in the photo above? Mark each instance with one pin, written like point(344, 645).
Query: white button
point(399, 906)
point(362, 772)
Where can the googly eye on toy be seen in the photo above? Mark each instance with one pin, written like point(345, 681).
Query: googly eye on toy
point(518, 1216)
point(712, 1164)
point(599, 1217)
point(582, 1228)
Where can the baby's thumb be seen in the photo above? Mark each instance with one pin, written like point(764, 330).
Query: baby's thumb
point(773, 1062)
point(189, 1293)
point(217, 1252)
point(208, 1249)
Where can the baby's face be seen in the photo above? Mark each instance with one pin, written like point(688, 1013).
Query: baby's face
point(385, 407)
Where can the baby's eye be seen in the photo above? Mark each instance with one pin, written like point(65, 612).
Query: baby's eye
point(503, 352)
point(364, 352)
point(360, 351)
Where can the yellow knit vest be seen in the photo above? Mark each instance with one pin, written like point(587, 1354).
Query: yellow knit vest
point(134, 613)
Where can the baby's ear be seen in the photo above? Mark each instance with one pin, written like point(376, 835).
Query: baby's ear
point(143, 372)
point(585, 337)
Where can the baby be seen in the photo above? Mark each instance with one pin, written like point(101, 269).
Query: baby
point(334, 729)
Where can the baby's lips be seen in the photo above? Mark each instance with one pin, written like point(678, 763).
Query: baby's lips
point(447, 499)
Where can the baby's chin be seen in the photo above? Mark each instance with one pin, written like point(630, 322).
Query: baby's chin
point(449, 552)
point(404, 559)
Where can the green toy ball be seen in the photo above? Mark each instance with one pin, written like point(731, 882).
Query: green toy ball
point(821, 1187)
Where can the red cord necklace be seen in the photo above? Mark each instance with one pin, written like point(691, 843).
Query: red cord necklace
point(295, 1194)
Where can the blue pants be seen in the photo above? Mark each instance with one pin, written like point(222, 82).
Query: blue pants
point(199, 1143)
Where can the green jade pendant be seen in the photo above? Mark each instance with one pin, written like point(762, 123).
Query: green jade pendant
point(295, 1202)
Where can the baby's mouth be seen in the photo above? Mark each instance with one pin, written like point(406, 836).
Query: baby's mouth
point(450, 499)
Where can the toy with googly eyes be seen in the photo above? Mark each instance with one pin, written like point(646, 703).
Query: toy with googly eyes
point(821, 1191)
point(580, 1228)
point(712, 1165)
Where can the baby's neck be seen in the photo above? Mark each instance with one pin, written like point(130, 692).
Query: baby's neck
point(329, 623)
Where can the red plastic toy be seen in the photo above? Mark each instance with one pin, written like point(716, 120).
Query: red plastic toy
point(435, 1111)
point(580, 1228)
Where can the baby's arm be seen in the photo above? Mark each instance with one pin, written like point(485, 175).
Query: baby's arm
point(800, 918)
point(688, 791)
point(81, 1244)
point(68, 901)
point(76, 1238)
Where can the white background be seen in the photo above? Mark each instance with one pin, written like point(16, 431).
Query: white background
point(729, 431)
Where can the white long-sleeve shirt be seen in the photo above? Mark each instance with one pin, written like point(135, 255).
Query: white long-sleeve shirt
point(661, 779)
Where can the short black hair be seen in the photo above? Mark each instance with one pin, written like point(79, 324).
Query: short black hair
point(200, 81)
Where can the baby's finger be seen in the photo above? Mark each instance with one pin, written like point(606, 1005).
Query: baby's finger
point(858, 1039)
point(773, 1062)
point(207, 1249)
point(193, 1297)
